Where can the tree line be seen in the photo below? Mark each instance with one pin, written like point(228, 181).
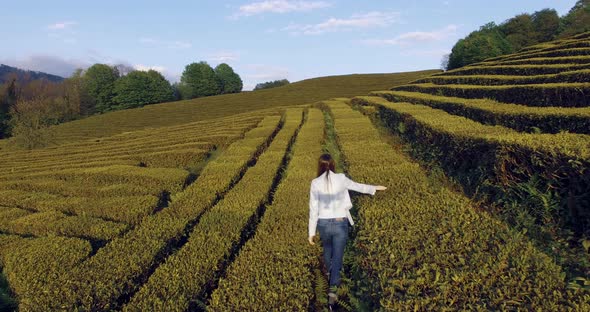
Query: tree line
point(271, 84)
point(523, 30)
point(28, 106)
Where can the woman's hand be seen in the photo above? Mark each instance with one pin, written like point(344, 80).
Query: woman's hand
point(380, 188)
point(311, 242)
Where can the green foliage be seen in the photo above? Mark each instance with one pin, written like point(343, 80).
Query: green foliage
point(139, 88)
point(519, 117)
point(549, 94)
point(495, 160)
point(519, 32)
point(199, 80)
point(271, 84)
point(478, 46)
point(215, 238)
point(99, 83)
point(38, 262)
point(8, 97)
point(99, 282)
point(230, 81)
point(274, 269)
point(577, 20)
point(546, 23)
point(413, 239)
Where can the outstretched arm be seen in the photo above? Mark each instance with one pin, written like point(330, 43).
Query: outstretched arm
point(363, 188)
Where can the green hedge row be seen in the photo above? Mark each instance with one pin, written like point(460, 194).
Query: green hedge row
point(186, 275)
point(571, 60)
point(423, 247)
point(117, 269)
point(554, 94)
point(128, 209)
point(75, 189)
point(518, 117)
point(101, 159)
point(35, 263)
point(174, 158)
point(570, 76)
point(499, 162)
point(23, 222)
point(273, 271)
point(515, 70)
point(549, 47)
point(557, 51)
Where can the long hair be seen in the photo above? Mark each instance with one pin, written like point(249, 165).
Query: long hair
point(325, 163)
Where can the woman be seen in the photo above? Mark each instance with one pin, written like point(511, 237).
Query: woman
point(329, 205)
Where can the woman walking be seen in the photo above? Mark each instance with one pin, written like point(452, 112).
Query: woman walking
point(329, 205)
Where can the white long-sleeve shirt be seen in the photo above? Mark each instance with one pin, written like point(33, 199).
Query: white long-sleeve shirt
point(329, 198)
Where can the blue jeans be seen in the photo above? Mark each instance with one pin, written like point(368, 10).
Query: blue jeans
point(334, 234)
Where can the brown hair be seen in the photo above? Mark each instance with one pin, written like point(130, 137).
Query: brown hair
point(325, 163)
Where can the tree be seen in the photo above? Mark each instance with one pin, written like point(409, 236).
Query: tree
point(519, 31)
point(271, 84)
point(478, 46)
point(99, 83)
point(161, 90)
point(546, 23)
point(30, 119)
point(8, 97)
point(139, 88)
point(230, 81)
point(76, 93)
point(577, 19)
point(198, 80)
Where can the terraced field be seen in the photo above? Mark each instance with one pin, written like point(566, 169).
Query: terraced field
point(206, 208)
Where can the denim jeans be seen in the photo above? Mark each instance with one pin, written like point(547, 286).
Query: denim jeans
point(334, 234)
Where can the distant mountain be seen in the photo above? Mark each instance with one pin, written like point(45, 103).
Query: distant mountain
point(6, 70)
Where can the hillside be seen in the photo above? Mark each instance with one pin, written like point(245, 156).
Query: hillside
point(173, 113)
point(6, 70)
point(203, 204)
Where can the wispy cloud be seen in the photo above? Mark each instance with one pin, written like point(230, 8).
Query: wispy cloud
point(175, 44)
point(157, 68)
point(61, 25)
point(279, 6)
point(223, 56)
point(357, 21)
point(414, 37)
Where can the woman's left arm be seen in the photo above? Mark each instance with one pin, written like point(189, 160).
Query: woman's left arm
point(313, 212)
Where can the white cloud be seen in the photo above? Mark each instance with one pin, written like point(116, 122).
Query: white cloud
point(416, 37)
point(177, 44)
point(61, 25)
point(279, 6)
point(157, 68)
point(224, 56)
point(368, 20)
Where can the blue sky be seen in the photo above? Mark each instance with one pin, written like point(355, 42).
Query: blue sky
point(262, 40)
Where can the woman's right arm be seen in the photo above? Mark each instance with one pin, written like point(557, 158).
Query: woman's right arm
point(359, 187)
